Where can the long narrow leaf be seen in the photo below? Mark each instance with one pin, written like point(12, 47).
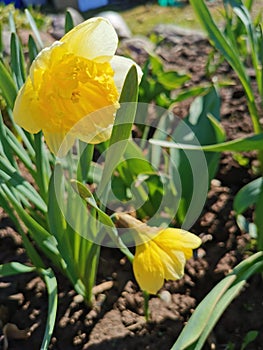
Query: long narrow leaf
point(17, 61)
point(221, 43)
point(245, 144)
point(247, 196)
point(15, 268)
point(10, 175)
point(213, 305)
point(201, 316)
point(34, 29)
point(43, 238)
point(51, 284)
point(30, 249)
point(7, 86)
point(122, 127)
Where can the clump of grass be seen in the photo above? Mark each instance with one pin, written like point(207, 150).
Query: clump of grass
point(42, 21)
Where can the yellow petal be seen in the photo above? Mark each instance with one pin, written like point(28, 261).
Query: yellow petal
point(26, 108)
point(174, 265)
point(94, 39)
point(58, 142)
point(148, 268)
point(121, 66)
point(44, 61)
point(177, 239)
point(96, 127)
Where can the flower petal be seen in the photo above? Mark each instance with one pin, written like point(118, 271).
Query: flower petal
point(26, 108)
point(59, 143)
point(177, 239)
point(148, 268)
point(97, 126)
point(94, 39)
point(44, 59)
point(174, 263)
point(121, 66)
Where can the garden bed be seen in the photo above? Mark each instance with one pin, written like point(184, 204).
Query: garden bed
point(117, 321)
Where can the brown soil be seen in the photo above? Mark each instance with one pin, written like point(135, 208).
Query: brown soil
point(117, 320)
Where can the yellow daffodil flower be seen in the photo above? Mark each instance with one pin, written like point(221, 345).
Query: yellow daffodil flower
point(163, 258)
point(73, 87)
point(160, 254)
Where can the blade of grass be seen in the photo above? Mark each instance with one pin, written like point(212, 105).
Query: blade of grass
point(230, 54)
point(7, 86)
point(34, 29)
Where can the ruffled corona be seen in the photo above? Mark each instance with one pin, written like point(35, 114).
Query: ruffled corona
point(73, 87)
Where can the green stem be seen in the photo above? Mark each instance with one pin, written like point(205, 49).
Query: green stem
point(146, 310)
point(40, 177)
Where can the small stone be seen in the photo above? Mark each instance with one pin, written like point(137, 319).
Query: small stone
point(78, 299)
point(165, 296)
point(215, 183)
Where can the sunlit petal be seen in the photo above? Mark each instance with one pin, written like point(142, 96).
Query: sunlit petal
point(174, 266)
point(59, 143)
point(148, 268)
point(177, 239)
point(121, 66)
point(94, 39)
point(26, 109)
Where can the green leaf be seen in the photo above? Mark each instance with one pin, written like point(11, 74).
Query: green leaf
point(32, 48)
point(30, 249)
point(249, 337)
point(69, 24)
point(259, 217)
point(247, 196)
point(172, 80)
point(43, 171)
point(221, 43)
point(122, 127)
point(10, 176)
point(213, 305)
point(204, 114)
point(104, 219)
point(244, 16)
point(200, 318)
point(245, 144)
point(59, 228)
point(86, 152)
point(231, 54)
point(38, 233)
point(1, 40)
point(34, 29)
point(7, 86)
point(17, 61)
point(15, 268)
point(51, 283)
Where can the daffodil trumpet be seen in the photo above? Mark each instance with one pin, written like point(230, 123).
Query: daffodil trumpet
point(160, 254)
point(73, 88)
